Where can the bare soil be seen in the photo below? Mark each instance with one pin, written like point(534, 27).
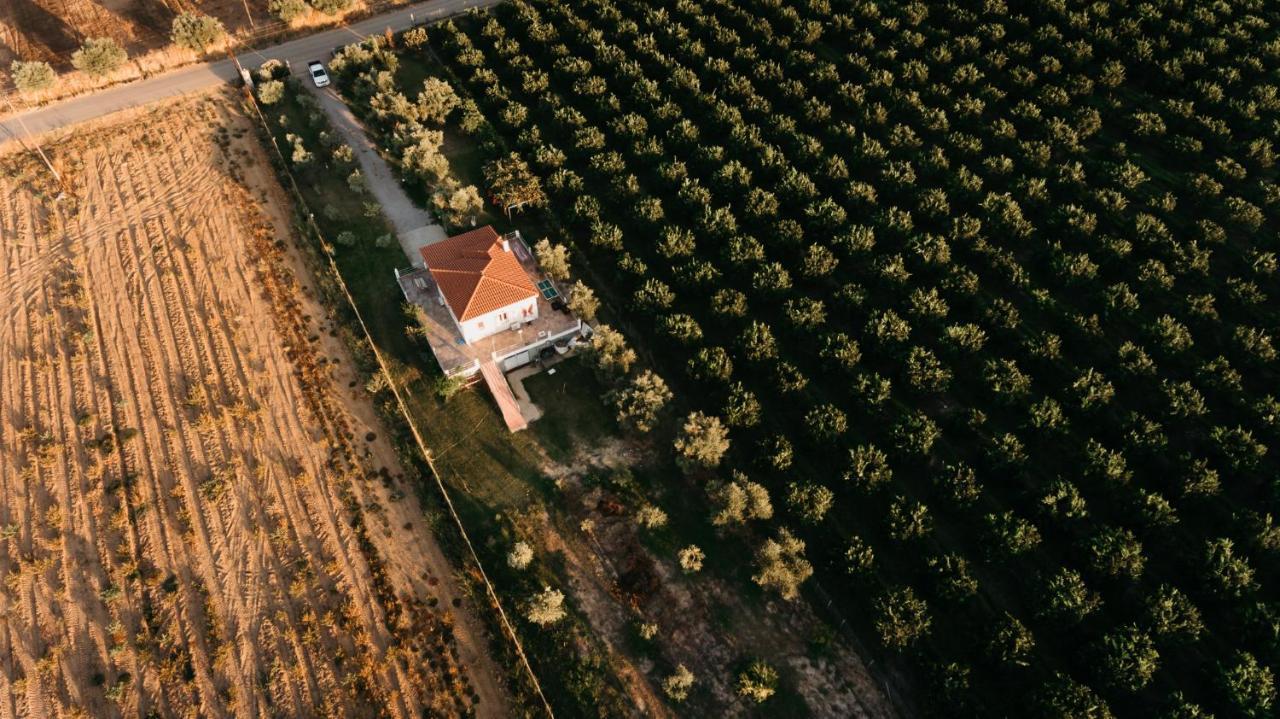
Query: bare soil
point(199, 513)
point(703, 621)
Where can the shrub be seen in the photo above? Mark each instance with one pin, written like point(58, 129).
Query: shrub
point(32, 76)
point(98, 56)
point(691, 559)
point(546, 607)
point(446, 387)
point(288, 10)
point(678, 685)
point(270, 92)
point(331, 7)
point(651, 517)
point(415, 37)
point(356, 182)
point(520, 556)
point(758, 682)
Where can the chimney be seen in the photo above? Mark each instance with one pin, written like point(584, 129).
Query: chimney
point(506, 245)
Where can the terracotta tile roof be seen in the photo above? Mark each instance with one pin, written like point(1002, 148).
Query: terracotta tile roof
point(475, 274)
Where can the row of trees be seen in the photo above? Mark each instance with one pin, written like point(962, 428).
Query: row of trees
point(984, 229)
point(101, 56)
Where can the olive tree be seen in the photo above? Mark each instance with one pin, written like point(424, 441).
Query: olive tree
point(98, 57)
point(1064, 698)
point(1065, 597)
point(1249, 687)
point(639, 404)
point(31, 76)
point(582, 301)
point(1127, 658)
point(288, 10)
point(902, 618)
point(553, 259)
point(1012, 642)
point(1171, 615)
point(196, 32)
point(609, 351)
point(702, 441)
point(512, 185)
point(456, 204)
point(740, 500)
point(781, 565)
point(436, 100)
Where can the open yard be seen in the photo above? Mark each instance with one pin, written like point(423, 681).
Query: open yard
point(199, 513)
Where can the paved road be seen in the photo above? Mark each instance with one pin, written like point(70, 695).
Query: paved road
point(199, 77)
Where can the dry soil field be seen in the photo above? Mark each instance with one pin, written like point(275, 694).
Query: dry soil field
point(198, 513)
point(51, 30)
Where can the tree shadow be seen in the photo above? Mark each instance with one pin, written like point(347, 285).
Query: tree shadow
point(42, 27)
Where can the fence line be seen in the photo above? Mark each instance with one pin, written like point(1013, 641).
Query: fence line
point(404, 411)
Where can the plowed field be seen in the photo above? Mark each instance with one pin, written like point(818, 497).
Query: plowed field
point(199, 515)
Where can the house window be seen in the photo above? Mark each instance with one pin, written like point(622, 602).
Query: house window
point(502, 317)
point(528, 311)
point(479, 325)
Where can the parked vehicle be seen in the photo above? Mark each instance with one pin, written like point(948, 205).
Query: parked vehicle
point(318, 74)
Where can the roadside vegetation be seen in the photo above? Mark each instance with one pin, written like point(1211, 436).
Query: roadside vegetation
point(54, 48)
point(963, 312)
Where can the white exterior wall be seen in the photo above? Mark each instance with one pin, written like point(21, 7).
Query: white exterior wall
point(477, 328)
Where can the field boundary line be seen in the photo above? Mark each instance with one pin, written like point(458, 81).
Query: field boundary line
point(403, 409)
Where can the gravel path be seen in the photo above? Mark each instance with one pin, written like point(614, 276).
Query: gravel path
point(414, 227)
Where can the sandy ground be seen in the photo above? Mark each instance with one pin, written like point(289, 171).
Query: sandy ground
point(198, 513)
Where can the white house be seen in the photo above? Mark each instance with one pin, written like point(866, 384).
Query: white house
point(482, 283)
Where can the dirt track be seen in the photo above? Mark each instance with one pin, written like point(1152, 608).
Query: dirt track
point(198, 515)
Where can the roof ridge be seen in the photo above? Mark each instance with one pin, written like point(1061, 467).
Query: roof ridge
point(491, 278)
